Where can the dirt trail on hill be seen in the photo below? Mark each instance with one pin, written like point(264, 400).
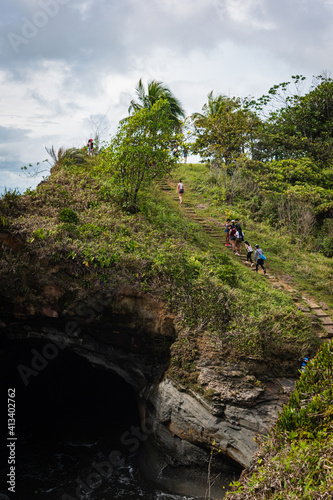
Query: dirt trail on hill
point(320, 319)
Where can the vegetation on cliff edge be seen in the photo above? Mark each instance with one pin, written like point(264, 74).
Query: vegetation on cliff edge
point(296, 460)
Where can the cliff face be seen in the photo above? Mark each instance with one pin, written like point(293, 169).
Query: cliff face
point(229, 425)
point(130, 333)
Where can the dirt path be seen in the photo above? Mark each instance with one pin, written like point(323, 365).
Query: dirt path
point(215, 229)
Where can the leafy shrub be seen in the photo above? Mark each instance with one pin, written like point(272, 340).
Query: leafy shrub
point(70, 229)
point(68, 215)
point(40, 234)
point(325, 238)
point(227, 274)
point(106, 192)
point(309, 409)
point(91, 230)
point(9, 200)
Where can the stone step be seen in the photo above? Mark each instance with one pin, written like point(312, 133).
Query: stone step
point(311, 303)
point(303, 308)
point(319, 312)
point(326, 320)
point(329, 330)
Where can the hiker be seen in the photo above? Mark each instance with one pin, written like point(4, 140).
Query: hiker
point(90, 146)
point(249, 250)
point(185, 155)
point(305, 361)
point(239, 238)
point(259, 258)
point(232, 236)
point(226, 233)
point(180, 190)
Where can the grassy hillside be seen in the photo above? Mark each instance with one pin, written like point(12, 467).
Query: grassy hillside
point(301, 263)
point(295, 461)
point(74, 216)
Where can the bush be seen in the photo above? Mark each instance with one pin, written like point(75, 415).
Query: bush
point(68, 215)
point(325, 238)
point(9, 201)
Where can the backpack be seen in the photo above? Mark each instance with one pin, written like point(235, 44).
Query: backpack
point(262, 256)
point(240, 232)
point(303, 365)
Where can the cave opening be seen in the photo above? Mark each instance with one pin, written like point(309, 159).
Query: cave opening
point(68, 416)
point(66, 395)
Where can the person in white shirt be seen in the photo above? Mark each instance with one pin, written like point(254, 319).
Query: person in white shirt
point(249, 250)
point(180, 190)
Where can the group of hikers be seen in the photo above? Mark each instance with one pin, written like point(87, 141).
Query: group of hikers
point(234, 237)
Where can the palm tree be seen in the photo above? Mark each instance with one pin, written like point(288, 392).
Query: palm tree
point(156, 90)
point(224, 130)
point(215, 106)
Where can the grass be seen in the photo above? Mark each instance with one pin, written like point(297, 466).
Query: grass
point(295, 461)
point(308, 270)
point(74, 216)
point(221, 308)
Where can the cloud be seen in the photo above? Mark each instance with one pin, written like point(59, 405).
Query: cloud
point(10, 181)
point(12, 134)
point(66, 60)
point(98, 37)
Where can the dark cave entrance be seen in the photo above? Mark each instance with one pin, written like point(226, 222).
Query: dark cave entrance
point(66, 395)
point(69, 415)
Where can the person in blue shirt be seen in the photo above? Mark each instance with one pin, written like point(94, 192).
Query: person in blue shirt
point(258, 258)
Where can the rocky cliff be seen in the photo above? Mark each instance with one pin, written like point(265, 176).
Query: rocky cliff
point(130, 333)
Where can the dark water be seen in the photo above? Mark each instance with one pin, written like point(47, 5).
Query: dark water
point(79, 437)
point(73, 470)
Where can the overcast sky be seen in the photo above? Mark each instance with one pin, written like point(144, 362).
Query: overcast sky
point(65, 63)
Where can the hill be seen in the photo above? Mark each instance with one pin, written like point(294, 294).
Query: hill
point(237, 333)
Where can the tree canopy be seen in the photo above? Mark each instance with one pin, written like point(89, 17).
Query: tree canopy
point(302, 126)
point(156, 91)
point(139, 152)
point(224, 129)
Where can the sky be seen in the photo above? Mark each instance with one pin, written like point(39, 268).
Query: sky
point(69, 67)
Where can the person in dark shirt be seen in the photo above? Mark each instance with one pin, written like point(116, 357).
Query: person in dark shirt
point(90, 146)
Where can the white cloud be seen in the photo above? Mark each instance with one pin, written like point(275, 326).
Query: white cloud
point(90, 54)
point(10, 180)
point(251, 13)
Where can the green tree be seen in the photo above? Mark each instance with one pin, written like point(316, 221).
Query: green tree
point(156, 91)
point(139, 153)
point(224, 130)
point(302, 126)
